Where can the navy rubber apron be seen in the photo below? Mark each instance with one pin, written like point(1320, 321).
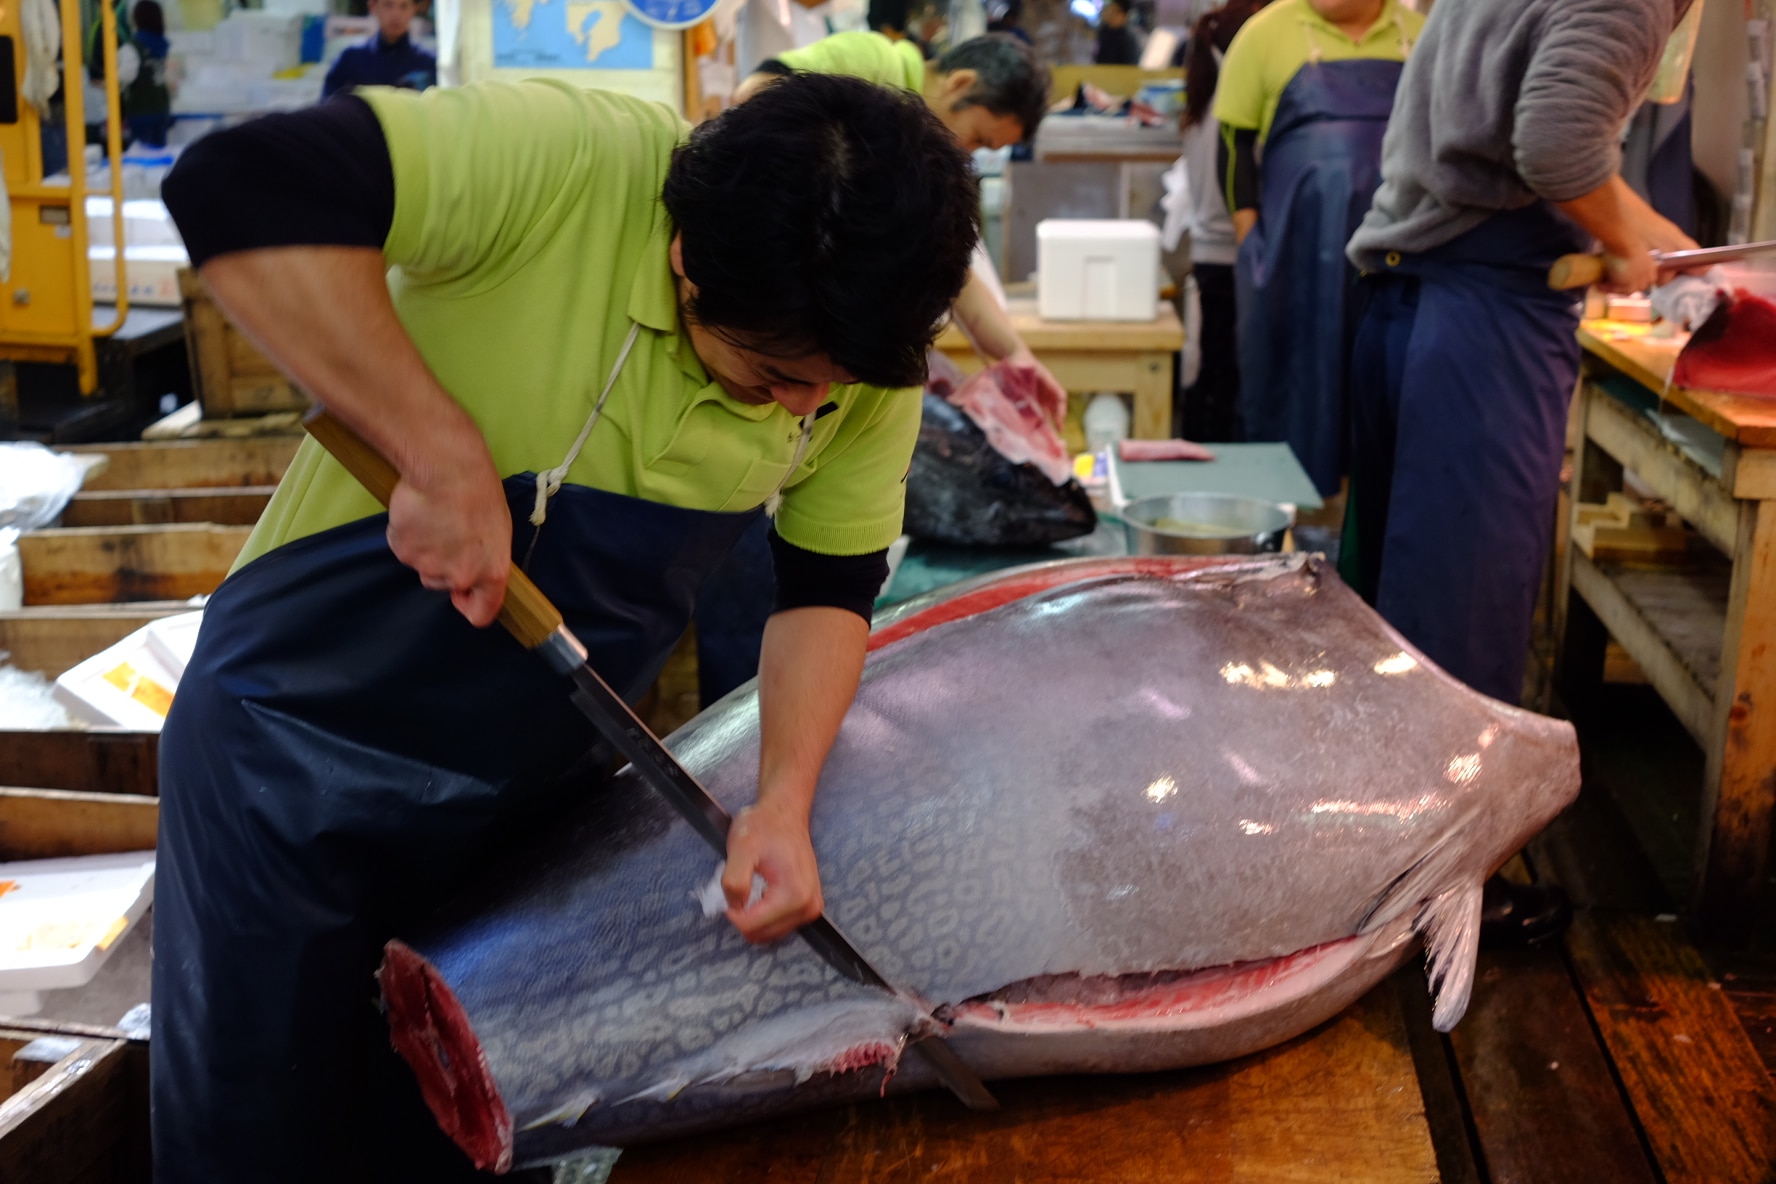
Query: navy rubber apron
point(1320, 169)
point(1461, 374)
point(344, 750)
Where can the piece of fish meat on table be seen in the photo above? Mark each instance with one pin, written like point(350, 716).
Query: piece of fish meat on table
point(1090, 816)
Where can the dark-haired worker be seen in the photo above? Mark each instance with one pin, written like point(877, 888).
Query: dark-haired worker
point(1503, 155)
point(591, 340)
point(989, 91)
point(1117, 43)
point(1303, 100)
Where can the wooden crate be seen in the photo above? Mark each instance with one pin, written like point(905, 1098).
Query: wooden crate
point(73, 1098)
point(100, 564)
point(229, 373)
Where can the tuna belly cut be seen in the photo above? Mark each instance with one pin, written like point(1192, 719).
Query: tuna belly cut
point(1168, 1020)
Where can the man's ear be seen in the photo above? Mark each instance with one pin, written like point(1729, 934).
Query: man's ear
point(676, 253)
point(957, 84)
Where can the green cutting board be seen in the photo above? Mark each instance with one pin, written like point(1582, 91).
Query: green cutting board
point(1268, 471)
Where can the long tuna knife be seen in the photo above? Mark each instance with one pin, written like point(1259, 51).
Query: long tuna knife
point(538, 626)
point(1581, 271)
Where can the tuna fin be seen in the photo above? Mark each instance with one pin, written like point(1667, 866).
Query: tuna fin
point(1450, 923)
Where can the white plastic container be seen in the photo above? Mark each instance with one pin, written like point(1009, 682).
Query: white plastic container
point(1106, 421)
point(126, 685)
point(1090, 270)
point(172, 639)
point(61, 918)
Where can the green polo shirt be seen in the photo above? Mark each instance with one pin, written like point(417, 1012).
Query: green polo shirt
point(869, 56)
point(1271, 47)
point(528, 235)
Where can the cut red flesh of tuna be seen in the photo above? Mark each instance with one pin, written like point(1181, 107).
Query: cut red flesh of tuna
point(1740, 358)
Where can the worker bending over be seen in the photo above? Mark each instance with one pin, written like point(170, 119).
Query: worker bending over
point(592, 342)
point(1501, 157)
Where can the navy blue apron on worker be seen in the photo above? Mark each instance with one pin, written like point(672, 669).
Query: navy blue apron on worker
point(1321, 165)
point(1461, 374)
point(343, 751)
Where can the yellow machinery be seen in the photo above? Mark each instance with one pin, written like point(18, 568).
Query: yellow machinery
point(46, 305)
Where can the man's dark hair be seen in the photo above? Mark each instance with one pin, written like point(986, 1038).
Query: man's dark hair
point(826, 215)
point(1010, 81)
point(147, 18)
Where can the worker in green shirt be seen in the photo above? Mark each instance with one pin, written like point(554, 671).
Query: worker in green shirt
point(990, 92)
point(593, 342)
point(1303, 100)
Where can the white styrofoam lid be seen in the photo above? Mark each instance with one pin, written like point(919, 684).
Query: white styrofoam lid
point(60, 917)
point(1097, 228)
point(172, 640)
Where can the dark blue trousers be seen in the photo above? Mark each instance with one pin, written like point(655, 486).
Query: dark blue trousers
point(1462, 371)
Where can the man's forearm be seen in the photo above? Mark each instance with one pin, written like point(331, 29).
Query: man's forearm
point(324, 315)
point(808, 673)
point(984, 322)
point(1629, 230)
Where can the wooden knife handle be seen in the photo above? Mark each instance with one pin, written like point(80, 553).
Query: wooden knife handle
point(1576, 271)
point(526, 613)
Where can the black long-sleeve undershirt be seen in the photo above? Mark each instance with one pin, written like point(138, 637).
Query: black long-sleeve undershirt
point(1242, 190)
point(322, 177)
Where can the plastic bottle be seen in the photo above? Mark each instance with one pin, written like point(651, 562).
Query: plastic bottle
point(1106, 421)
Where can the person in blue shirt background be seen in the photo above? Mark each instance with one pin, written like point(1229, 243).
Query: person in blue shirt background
point(389, 58)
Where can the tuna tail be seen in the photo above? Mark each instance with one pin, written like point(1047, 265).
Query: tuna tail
point(1450, 923)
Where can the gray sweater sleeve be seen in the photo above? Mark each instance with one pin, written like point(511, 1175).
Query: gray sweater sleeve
point(1584, 76)
point(1503, 102)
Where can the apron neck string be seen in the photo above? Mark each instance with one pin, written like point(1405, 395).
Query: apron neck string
point(773, 502)
point(1313, 44)
point(548, 482)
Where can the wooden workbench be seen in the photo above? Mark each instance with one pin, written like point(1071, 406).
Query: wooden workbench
point(1702, 631)
point(1091, 356)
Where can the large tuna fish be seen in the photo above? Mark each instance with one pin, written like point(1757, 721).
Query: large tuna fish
point(1097, 816)
point(988, 469)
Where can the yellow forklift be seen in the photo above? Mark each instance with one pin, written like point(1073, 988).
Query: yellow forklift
point(82, 360)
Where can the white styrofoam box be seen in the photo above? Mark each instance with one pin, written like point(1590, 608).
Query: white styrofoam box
point(287, 94)
point(172, 639)
point(153, 274)
point(268, 41)
point(1096, 270)
point(123, 686)
point(145, 224)
point(61, 918)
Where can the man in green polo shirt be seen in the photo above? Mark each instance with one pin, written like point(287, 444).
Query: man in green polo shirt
point(589, 343)
point(990, 92)
point(1312, 83)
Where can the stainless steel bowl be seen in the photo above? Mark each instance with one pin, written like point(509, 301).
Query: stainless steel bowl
point(1204, 524)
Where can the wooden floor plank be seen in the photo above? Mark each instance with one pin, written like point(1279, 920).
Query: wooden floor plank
point(101, 564)
point(1340, 1103)
point(192, 464)
point(95, 760)
point(239, 506)
point(1702, 1095)
point(1539, 1087)
point(1445, 1102)
point(51, 638)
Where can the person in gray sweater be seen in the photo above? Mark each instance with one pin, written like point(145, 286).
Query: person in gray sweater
point(1501, 155)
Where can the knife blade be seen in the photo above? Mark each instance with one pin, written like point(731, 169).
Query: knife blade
point(539, 627)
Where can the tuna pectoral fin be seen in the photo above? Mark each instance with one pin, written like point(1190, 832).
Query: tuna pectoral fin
point(1450, 922)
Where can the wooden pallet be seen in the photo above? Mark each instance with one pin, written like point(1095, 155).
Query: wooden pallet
point(115, 564)
point(73, 1098)
point(230, 375)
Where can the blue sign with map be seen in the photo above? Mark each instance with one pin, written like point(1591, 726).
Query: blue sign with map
point(570, 35)
point(673, 14)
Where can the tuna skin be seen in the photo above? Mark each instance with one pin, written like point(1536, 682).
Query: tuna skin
point(1099, 769)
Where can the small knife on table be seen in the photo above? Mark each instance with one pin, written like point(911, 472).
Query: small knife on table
point(538, 626)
